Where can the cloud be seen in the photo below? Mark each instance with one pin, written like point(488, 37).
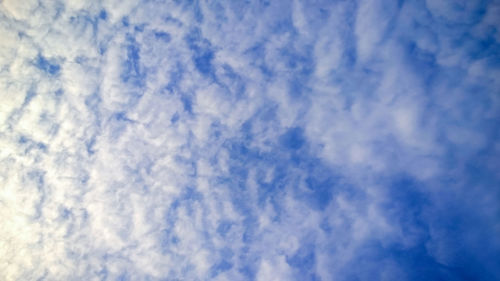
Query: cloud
point(263, 140)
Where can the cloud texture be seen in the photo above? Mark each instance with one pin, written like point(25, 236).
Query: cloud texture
point(249, 140)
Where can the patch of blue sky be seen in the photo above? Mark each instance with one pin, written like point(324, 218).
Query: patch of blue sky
point(202, 55)
point(48, 66)
point(103, 15)
point(162, 35)
point(133, 72)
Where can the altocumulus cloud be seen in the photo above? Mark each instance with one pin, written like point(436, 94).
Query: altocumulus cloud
point(249, 140)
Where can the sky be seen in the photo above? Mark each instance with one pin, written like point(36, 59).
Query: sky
point(249, 140)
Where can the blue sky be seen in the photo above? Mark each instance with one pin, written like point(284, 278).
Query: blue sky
point(249, 140)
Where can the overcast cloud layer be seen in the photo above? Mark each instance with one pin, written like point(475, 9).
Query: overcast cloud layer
point(249, 140)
